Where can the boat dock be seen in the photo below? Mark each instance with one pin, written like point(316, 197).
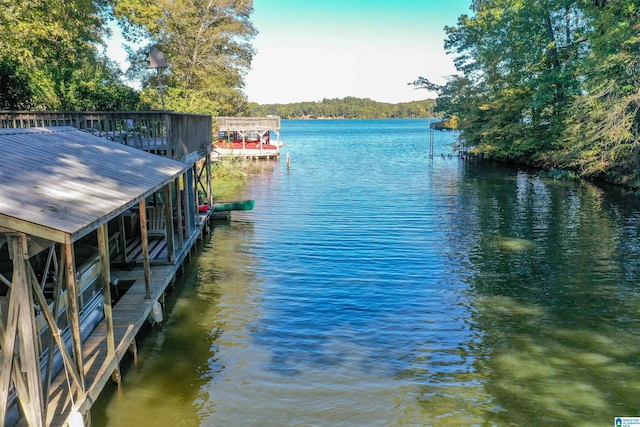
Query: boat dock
point(98, 213)
point(248, 137)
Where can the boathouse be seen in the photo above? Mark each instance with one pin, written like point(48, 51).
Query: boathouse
point(96, 218)
point(248, 137)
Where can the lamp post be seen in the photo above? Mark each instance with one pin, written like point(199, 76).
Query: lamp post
point(157, 60)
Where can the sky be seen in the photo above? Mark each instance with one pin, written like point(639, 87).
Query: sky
point(309, 50)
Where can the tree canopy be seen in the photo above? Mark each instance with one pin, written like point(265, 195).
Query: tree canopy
point(551, 83)
point(207, 45)
point(52, 54)
point(50, 57)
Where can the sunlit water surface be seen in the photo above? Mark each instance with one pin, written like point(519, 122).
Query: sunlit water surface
point(372, 286)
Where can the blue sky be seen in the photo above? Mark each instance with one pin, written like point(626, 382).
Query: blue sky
point(314, 49)
point(308, 50)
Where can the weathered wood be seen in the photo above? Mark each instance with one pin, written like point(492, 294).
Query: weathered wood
point(207, 165)
point(188, 198)
point(145, 248)
point(61, 207)
point(33, 408)
point(105, 276)
point(179, 215)
point(123, 238)
point(73, 310)
point(8, 348)
point(57, 303)
point(168, 212)
point(55, 330)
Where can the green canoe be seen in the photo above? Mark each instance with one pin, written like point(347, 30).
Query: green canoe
point(245, 205)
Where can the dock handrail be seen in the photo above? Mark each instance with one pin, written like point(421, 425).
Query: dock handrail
point(167, 133)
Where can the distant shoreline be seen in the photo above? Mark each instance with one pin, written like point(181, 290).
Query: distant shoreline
point(347, 108)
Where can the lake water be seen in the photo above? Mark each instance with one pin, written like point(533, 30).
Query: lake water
point(373, 286)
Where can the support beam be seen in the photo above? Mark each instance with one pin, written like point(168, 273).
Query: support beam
point(105, 277)
point(168, 214)
point(24, 369)
point(179, 214)
point(74, 310)
point(207, 165)
point(145, 249)
point(57, 303)
point(55, 330)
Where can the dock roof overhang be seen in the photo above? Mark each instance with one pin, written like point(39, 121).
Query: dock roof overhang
point(62, 183)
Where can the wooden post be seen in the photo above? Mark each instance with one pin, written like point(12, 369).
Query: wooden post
point(179, 213)
point(55, 330)
point(73, 310)
point(57, 292)
point(168, 214)
point(105, 276)
point(21, 323)
point(194, 212)
point(207, 164)
point(123, 238)
point(145, 249)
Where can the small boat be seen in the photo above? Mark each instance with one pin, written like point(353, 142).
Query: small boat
point(245, 205)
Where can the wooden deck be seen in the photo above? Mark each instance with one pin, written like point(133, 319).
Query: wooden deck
point(129, 315)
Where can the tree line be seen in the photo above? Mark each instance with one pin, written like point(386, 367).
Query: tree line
point(52, 55)
point(346, 108)
point(555, 84)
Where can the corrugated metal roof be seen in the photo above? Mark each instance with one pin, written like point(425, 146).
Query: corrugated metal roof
point(61, 183)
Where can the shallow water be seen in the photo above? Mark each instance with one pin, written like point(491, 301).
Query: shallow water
point(372, 286)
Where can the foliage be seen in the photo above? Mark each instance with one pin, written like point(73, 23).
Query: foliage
point(206, 43)
point(346, 108)
point(229, 175)
point(50, 57)
point(550, 83)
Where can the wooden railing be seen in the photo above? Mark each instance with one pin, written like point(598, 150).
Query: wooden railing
point(166, 133)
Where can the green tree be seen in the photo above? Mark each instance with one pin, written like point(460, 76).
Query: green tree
point(602, 133)
point(206, 42)
point(517, 65)
point(50, 57)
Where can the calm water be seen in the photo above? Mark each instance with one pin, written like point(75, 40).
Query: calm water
point(371, 286)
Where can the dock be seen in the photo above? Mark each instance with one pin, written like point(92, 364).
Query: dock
point(130, 314)
point(98, 213)
point(250, 137)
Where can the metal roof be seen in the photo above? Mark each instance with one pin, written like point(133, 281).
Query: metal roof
point(61, 183)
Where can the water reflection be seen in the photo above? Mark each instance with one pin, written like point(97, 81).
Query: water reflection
point(558, 343)
point(407, 292)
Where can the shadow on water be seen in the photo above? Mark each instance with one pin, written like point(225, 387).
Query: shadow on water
point(176, 360)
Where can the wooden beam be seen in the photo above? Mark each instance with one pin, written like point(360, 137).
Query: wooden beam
point(168, 215)
point(33, 407)
point(145, 249)
point(123, 238)
point(73, 310)
point(57, 303)
point(33, 229)
point(207, 163)
point(105, 277)
point(179, 214)
point(53, 327)
point(8, 348)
